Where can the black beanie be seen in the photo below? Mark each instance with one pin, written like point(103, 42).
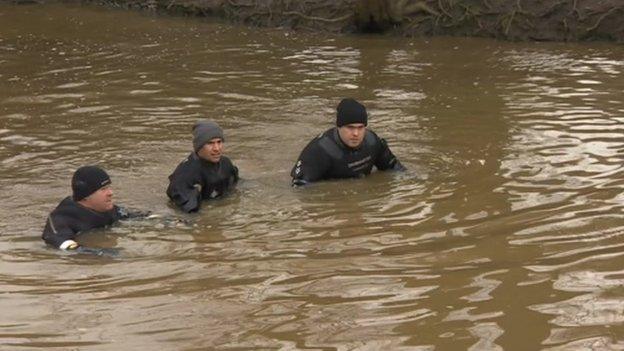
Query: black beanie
point(204, 131)
point(350, 111)
point(87, 180)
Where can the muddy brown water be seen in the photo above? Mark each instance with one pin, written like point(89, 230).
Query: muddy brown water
point(506, 233)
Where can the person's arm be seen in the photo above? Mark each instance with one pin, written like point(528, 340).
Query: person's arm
point(59, 234)
point(232, 174)
point(185, 188)
point(235, 177)
point(386, 159)
point(312, 165)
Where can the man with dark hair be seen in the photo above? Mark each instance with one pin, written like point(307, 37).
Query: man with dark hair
point(91, 206)
point(206, 173)
point(349, 150)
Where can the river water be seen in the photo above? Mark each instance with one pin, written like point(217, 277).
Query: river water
point(506, 233)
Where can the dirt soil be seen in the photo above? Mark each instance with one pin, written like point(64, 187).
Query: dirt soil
point(543, 20)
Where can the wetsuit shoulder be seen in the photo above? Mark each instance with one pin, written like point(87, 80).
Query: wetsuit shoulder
point(314, 160)
point(67, 209)
point(385, 159)
point(371, 139)
point(192, 162)
point(187, 171)
point(231, 169)
point(329, 143)
point(227, 162)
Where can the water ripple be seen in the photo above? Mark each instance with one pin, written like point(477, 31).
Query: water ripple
point(511, 209)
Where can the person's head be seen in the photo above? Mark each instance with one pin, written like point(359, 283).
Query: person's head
point(351, 120)
point(91, 187)
point(208, 140)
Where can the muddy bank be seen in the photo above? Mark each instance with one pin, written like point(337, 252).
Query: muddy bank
point(542, 20)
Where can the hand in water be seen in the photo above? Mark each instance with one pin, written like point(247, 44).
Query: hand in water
point(168, 221)
point(108, 252)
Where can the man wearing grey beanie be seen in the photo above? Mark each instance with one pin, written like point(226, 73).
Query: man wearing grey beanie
point(206, 173)
point(349, 150)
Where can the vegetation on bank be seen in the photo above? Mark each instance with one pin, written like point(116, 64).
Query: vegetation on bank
point(543, 20)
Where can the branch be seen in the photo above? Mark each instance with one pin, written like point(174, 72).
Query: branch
point(613, 9)
point(575, 10)
point(509, 22)
point(443, 9)
point(233, 4)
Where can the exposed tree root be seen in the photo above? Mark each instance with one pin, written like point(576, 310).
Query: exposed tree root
point(513, 20)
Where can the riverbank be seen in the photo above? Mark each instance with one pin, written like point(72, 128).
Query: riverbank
point(521, 20)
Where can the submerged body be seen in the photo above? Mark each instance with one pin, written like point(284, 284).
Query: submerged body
point(206, 173)
point(70, 219)
point(90, 206)
point(328, 157)
point(349, 150)
point(196, 179)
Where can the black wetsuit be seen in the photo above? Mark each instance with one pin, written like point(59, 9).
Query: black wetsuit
point(196, 179)
point(327, 157)
point(70, 219)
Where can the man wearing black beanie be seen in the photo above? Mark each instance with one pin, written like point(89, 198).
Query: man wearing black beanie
point(349, 150)
point(206, 173)
point(90, 206)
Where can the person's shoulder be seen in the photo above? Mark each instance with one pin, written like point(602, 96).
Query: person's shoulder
point(66, 205)
point(327, 134)
point(226, 160)
point(192, 158)
point(371, 133)
point(67, 211)
point(190, 162)
point(372, 139)
point(66, 202)
point(323, 136)
point(190, 167)
point(227, 166)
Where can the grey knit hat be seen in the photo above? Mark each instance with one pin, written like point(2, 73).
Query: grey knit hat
point(204, 131)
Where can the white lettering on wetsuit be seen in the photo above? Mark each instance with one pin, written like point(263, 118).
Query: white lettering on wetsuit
point(356, 163)
point(298, 167)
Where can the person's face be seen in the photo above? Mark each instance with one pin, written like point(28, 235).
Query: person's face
point(352, 134)
point(100, 201)
point(212, 150)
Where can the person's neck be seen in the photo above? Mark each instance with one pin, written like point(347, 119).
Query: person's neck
point(88, 206)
